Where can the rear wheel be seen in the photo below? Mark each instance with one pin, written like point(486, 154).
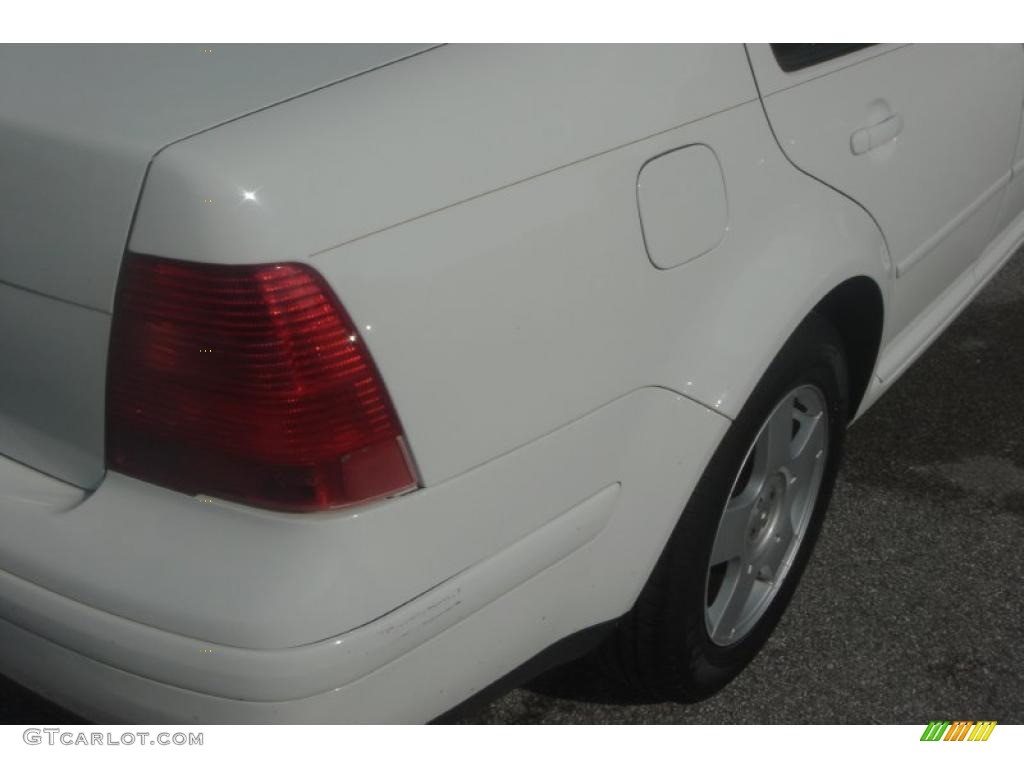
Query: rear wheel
point(741, 544)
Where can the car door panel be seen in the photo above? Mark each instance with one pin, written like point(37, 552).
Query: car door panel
point(1013, 199)
point(922, 136)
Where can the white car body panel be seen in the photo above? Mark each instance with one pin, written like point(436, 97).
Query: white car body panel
point(522, 326)
point(1013, 201)
point(48, 419)
point(902, 351)
point(357, 565)
point(464, 122)
point(80, 124)
point(476, 211)
point(478, 266)
point(959, 106)
point(590, 570)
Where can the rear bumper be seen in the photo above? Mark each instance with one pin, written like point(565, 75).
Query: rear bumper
point(582, 565)
point(111, 668)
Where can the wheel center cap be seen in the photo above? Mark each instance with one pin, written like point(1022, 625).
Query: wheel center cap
point(766, 509)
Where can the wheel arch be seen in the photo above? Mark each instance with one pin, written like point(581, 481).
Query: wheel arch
point(856, 309)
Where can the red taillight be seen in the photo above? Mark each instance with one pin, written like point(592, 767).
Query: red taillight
point(248, 383)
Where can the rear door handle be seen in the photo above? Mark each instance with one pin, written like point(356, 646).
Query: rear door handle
point(866, 139)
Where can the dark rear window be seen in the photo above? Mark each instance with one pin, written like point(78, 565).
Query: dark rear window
point(794, 56)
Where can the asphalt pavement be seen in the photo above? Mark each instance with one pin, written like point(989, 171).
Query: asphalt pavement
point(912, 608)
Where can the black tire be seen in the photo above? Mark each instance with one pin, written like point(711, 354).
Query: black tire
point(662, 648)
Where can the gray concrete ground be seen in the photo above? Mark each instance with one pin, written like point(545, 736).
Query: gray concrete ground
point(912, 608)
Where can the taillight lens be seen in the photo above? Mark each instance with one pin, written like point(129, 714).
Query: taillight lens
point(248, 383)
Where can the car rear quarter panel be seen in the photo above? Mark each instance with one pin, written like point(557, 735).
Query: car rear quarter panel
point(476, 211)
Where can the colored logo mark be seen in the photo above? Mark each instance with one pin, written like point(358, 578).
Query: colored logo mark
point(958, 730)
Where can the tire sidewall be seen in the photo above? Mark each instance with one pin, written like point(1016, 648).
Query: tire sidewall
point(813, 355)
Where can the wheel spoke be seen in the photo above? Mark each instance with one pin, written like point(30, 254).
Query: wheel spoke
point(732, 605)
point(774, 444)
point(807, 445)
point(811, 444)
point(732, 530)
point(801, 469)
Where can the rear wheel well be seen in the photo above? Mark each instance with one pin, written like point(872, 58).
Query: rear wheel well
point(856, 310)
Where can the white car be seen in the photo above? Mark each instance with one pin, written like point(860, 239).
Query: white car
point(353, 383)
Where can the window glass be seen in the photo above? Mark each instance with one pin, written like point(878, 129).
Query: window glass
point(794, 56)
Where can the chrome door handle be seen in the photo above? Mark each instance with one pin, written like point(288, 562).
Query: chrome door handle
point(866, 139)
